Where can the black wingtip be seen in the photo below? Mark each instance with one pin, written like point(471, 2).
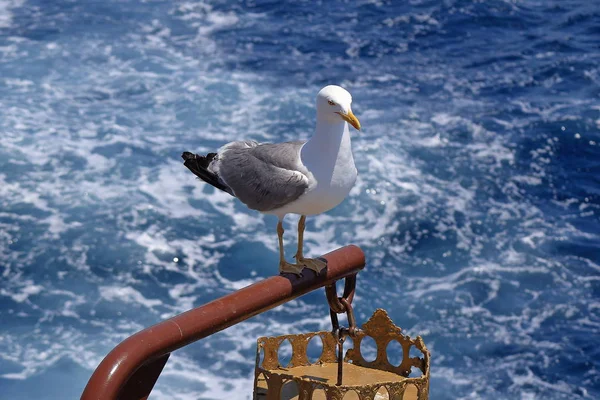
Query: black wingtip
point(186, 155)
point(199, 165)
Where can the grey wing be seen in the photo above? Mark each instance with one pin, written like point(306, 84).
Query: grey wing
point(263, 176)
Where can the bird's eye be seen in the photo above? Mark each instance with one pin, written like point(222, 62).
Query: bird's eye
point(331, 103)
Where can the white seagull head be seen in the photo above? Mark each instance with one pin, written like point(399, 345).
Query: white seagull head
point(333, 104)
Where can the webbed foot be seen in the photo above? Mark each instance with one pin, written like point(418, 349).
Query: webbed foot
point(286, 267)
point(315, 264)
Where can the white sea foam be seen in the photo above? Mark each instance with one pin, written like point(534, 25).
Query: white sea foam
point(98, 156)
point(27, 289)
point(6, 7)
point(127, 295)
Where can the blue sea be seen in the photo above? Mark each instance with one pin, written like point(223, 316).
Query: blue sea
point(477, 202)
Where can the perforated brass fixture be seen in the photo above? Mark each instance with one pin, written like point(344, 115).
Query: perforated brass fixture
point(363, 380)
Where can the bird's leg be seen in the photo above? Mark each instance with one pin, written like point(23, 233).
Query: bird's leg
point(285, 266)
point(280, 236)
point(301, 226)
point(310, 263)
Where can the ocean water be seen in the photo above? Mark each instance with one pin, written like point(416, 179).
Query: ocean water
point(477, 202)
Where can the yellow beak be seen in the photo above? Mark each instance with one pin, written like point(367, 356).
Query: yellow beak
point(351, 119)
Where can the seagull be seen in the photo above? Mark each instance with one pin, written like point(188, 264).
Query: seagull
point(300, 177)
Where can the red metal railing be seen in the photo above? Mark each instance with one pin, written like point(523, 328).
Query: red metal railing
point(131, 369)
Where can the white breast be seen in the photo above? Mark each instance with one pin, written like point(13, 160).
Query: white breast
point(331, 173)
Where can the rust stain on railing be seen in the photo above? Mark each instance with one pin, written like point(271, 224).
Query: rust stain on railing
point(131, 369)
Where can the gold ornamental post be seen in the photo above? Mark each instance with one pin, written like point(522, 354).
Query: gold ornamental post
point(352, 378)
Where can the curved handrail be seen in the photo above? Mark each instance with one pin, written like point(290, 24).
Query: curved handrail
point(131, 369)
